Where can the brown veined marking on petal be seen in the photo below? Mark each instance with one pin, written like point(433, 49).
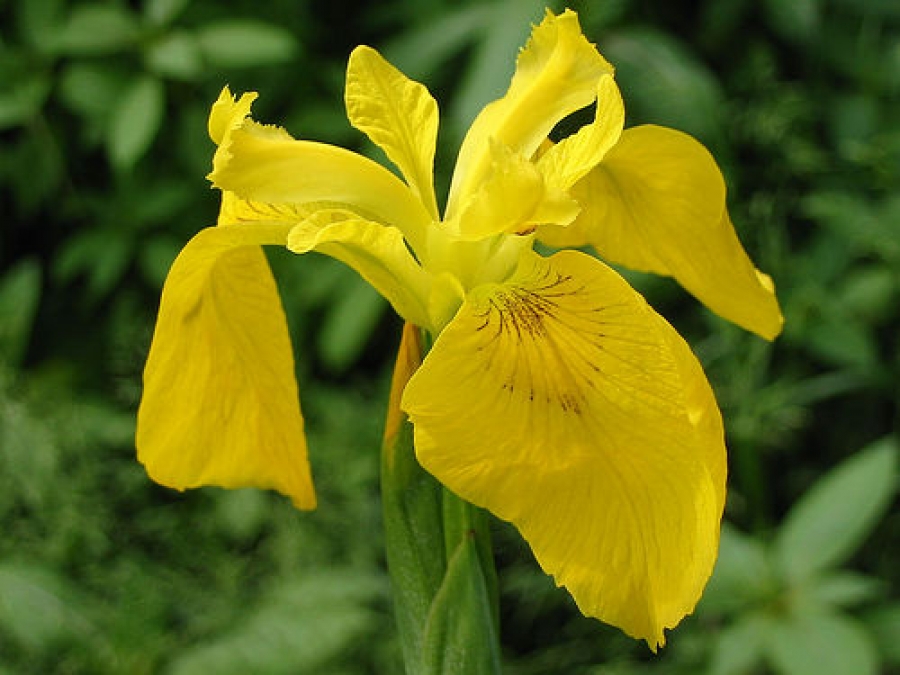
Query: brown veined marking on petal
point(535, 319)
point(240, 210)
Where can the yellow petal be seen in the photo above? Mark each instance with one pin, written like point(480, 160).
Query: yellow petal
point(378, 253)
point(556, 74)
point(567, 162)
point(228, 112)
point(561, 402)
point(398, 115)
point(512, 199)
point(264, 164)
point(236, 211)
point(656, 203)
point(220, 403)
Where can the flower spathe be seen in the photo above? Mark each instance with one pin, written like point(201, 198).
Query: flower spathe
point(553, 395)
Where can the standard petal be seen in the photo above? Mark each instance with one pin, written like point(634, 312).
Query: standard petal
point(656, 203)
point(220, 403)
point(227, 113)
point(556, 74)
point(264, 164)
point(512, 199)
point(567, 162)
point(398, 114)
point(561, 402)
point(377, 252)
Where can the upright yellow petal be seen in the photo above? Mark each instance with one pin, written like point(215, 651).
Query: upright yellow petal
point(561, 402)
point(567, 162)
point(656, 203)
point(377, 252)
point(398, 114)
point(264, 164)
point(512, 199)
point(556, 74)
point(220, 403)
point(228, 112)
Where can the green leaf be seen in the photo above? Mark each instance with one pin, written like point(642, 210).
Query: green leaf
point(832, 519)
point(175, 55)
point(135, 121)
point(884, 625)
point(96, 29)
point(797, 20)
point(301, 628)
point(742, 576)
point(240, 43)
point(161, 12)
point(739, 647)
point(20, 292)
point(37, 607)
point(664, 82)
point(846, 589)
point(817, 643)
point(351, 319)
point(23, 101)
point(100, 255)
point(90, 89)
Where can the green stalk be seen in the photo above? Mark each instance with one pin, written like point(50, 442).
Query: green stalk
point(438, 552)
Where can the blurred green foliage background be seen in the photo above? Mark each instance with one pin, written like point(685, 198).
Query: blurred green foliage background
point(103, 153)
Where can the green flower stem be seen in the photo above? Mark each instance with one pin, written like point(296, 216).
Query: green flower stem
point(439, 555)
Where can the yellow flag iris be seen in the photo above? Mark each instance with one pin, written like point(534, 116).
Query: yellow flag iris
point(553, 395)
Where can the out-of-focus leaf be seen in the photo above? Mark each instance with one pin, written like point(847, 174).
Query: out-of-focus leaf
point(22, 101)
point(20, 292)
point(742, 575)
point(161, 12)
point(96, 29)
point(90, 89)
point(352, 316)
point(99, 255)
point(843, 341)
point(664, 83)
point(38, 607)
point(488, 77)
point(36, 21)
point(419, 52)
point(299, 630)
point(739, 647)
point(818, 643)
point(135, 121)
point(869, 293)
point(155, 257)
point(830, 521)
point(796, 20)
point(238, 43)
point(175, 55)
point(846, 589)
point(884, 626)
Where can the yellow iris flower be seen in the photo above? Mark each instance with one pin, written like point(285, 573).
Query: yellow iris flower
point(553, 395)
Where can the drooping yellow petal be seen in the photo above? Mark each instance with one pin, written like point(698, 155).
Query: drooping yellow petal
point(220, 403)
point(512, 199)
point(398, 114)
point(561, 402)
point(656, 203)
point(567, 162)
point(264, 164)
point(556, 74)
point(377, 252)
